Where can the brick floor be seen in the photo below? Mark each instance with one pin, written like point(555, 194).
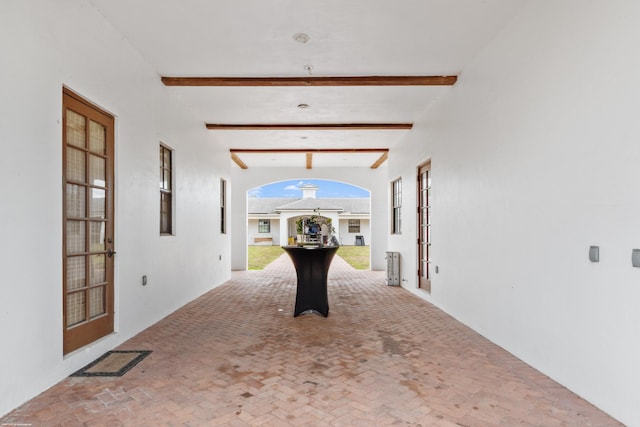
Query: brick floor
point(237, 357)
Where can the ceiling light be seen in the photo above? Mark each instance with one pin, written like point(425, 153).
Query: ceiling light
point(303, 106)
point(301, 37)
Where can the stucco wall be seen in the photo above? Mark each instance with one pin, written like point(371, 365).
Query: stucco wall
point(274, 233)
point(535, 157)
point(44, 46)
point(349, 239)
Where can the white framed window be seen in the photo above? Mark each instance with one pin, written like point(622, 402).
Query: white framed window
point(396, 206)
point(223, 206)
point(264, 226)
point(166, 190)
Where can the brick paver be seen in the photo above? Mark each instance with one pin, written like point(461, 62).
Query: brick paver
point(237, 357)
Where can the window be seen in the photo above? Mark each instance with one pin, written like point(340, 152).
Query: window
point(264, 226)
point(396, 203)
point(424, 226)
point(223, 206)
point(354, 226)
point(166, 190)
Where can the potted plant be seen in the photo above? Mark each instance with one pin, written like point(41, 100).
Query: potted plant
point(300, 231)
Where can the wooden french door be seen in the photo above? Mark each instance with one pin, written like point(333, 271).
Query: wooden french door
point(87, 222)
point(424, 227)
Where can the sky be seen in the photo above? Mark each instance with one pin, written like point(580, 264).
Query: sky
point(327, 189)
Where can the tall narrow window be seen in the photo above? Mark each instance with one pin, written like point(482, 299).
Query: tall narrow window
point(354, 226)
point(264, 226)
point(223, 206)
point(166, 192)
point(396, 203)
point(424, 226)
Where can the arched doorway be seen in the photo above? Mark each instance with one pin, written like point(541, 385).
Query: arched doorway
point(276, 212)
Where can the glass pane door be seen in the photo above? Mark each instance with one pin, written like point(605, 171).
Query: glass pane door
point(424, 227)
point(88, 222)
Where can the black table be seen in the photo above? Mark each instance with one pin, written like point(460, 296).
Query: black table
point(312, 266)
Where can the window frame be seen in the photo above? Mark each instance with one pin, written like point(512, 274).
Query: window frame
point(264, 226)
point(396, 206)
point(353, 225)
point(223, 206)
point(167, 190)
point(423, 222)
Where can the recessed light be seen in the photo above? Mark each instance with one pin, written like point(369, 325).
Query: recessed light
point(301, 37)
point(303, 106)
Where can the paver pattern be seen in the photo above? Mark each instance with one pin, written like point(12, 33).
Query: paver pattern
point(237, 357)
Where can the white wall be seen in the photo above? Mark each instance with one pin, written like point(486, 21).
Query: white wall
point(349, 239)
point(374, 180)
point(44, 46)
point(535, 156)
point(252, 232)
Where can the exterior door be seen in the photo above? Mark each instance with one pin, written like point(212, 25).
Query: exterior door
point(87, 222)
point(424, 227)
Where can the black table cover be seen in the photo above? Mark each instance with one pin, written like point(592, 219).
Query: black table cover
point(312, 266)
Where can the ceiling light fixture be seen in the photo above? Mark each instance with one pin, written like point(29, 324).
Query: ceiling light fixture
point(303, 106)
point(301, 37)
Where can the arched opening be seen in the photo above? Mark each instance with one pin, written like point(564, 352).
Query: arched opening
point(281, 213)
point(313, 229)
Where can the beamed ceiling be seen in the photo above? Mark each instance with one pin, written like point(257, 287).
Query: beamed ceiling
point(302, 83)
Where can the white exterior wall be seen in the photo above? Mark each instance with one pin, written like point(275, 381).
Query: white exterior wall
point(252, 228)
point(535, 155)
point(44, 46)
point(374, 180)
point(349, 239)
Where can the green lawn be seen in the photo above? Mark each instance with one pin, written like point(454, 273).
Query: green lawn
point(260, 256)
point(356, 256)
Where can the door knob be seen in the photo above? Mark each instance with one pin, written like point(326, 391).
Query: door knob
point(110, 252)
